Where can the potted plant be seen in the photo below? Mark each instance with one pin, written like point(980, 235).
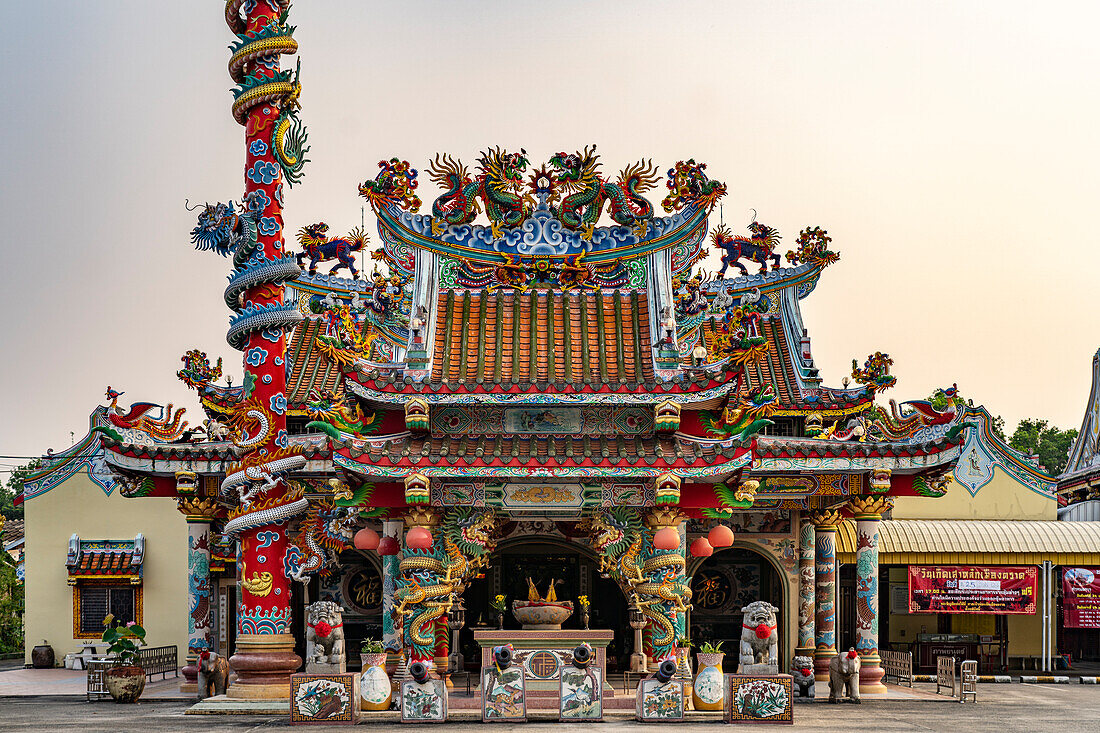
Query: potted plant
point(499, 605)
point(374, 685)
point(126, 679)
point(584, 603)
point(707, 691)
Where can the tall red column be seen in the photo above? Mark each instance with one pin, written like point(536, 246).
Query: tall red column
point(264, 104)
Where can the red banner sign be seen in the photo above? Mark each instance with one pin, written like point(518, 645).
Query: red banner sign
point(1081, 598)
point(972, 589)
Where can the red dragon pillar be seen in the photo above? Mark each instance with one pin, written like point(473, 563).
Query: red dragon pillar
point(265, 103)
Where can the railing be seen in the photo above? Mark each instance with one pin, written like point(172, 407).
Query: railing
point(97, 679)
point(899, 666)
point(945, 674)
point(158, 660)
point(968, 684)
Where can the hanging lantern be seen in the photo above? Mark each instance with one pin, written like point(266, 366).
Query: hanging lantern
point(419, 538)
point(666, 538)
point(365, 539)
point(701, 548)
point(388, 546)
point(720, 536)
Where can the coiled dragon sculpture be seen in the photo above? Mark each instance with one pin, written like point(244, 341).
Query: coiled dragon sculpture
point(579, 176)
point(431, 578)
point(655, 578)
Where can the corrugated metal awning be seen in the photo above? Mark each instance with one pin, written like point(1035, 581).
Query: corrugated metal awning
point(977, 542)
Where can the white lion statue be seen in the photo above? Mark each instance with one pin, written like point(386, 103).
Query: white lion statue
point(325, 634)
point(759, 640)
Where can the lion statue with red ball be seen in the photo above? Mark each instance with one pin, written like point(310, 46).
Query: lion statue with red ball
point(325, 634)
point(759, 640)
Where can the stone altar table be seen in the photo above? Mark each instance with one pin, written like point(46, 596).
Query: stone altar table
point(543, 652)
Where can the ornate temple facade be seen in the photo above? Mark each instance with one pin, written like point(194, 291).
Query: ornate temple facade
point(536, 386)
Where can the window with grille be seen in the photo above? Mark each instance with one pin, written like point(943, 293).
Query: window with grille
point(96, 601)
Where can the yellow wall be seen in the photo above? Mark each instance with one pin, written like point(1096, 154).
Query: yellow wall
point(79, 505)
point(1001, 498)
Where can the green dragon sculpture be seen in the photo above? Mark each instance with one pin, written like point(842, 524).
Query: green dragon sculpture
point(498, 186)
point(578, 174)
point(655, 578)
point(430, 579)
point(333, 414)
point(747, 417)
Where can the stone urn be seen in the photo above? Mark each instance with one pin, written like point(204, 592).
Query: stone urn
point(706, 694)
point(375, 690)
point(125, 683)
point(542, 615)
point(42, 656)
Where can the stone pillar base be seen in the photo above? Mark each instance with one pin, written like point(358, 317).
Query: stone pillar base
point(822, 658)
point(189, 688)
point(870, 675)
point(263, 663)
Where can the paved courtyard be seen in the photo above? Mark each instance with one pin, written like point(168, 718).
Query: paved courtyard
point(1012, 708)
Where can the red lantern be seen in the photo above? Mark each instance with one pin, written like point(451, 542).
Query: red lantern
point(666, 538)
point(365, 539)
point(701, 548)
point(720, 536)
point(388, 546)
point(419, 538)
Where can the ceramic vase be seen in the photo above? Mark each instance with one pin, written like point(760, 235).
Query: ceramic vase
point(125, 683)
point(706, 694)
point(375, 691)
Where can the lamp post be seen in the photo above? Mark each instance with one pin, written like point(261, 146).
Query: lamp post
point(637, 622)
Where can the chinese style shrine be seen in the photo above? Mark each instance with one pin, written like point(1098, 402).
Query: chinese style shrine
point(522, 393)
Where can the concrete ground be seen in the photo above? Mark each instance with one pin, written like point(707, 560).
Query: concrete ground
point(1015, 708)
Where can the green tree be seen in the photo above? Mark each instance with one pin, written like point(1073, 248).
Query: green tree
point(14, 487)
point(1051, 444)
point(11, 607)
point(998, 427)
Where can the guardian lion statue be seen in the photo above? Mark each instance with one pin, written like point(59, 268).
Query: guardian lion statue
point(325, 634)
point(759, 640)
point(844, 677)
point(213, 675)
point(802, 670)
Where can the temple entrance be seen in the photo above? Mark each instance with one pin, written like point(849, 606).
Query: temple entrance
point(573, 571)
point(721, 586)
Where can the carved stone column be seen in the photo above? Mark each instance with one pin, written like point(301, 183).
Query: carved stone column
point(806, 588)
point(868, 515)
point(420, 639)
point(825, 523)
point(199, 511)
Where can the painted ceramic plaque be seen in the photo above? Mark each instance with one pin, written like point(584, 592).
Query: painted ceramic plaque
point(542, 496)
point(581, 693)
point(423, 703)
point(328, 698)
point(657, 702)
point(502, 695)
point(543, 420)
point(759, 699)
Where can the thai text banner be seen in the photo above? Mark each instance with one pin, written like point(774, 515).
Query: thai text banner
point(1081, 598)
point(972, 589)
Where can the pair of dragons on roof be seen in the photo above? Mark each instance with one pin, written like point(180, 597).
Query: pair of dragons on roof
point(572, 184)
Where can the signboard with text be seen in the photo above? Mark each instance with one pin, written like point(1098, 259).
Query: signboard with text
point(972, 589)
point(1081, 598)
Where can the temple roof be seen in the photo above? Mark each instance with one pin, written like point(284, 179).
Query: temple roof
point(550, 336)
point(307, 368)
point(1083, 467)
point(560, 450)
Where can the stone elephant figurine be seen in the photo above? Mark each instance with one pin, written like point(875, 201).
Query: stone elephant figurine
point(844, 676)
point(213, 675)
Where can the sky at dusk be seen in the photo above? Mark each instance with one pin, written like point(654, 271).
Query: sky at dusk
point(950, 150)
